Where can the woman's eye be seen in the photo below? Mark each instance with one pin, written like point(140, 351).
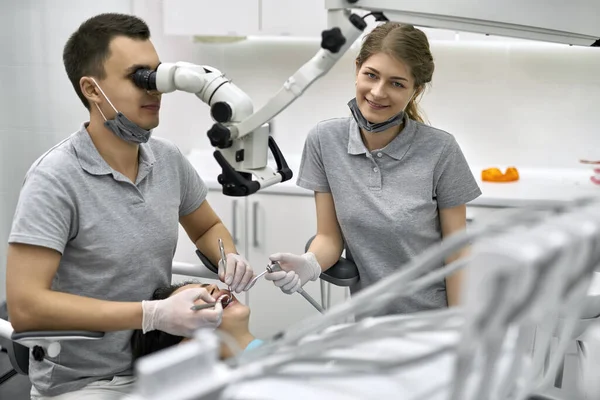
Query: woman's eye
point(398, 84)
point(370, 75)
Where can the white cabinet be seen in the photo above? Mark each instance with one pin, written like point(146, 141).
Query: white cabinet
point(211, 18)
point(281, 223)
point(231, 210)
point(300, 18)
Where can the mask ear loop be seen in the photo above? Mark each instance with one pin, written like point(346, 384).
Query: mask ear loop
point(107, 99)
point(98, 107)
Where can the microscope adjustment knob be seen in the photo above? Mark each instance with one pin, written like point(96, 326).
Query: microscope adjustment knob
point(332, 40)
point(220, 136)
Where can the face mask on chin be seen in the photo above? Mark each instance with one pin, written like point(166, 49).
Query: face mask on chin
point(379, 126)
point(121, 126)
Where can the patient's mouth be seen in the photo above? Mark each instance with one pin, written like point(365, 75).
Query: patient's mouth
point(225, 299)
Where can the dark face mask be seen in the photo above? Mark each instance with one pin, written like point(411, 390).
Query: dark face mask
point(122, 126)
point(379, 126)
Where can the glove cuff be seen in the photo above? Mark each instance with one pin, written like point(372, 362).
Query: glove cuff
point(314, 264)
point(148, 313)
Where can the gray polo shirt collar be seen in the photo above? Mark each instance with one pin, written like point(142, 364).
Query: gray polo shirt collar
point(395, 149)
point(92, 162)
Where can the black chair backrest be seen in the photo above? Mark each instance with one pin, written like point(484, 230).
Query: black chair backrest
point(342, 273)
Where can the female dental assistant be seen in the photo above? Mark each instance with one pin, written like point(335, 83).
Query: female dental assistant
point(386, 185)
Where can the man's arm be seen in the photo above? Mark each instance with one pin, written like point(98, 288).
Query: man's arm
point(32, 305)
point(204, 229)
point(453, 220)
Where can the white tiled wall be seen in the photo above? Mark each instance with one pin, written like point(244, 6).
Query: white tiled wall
point(506, 102)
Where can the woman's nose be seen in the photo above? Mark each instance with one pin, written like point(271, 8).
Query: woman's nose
point(378, 90)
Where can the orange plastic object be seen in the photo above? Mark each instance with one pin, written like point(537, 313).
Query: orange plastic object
point(495, 175)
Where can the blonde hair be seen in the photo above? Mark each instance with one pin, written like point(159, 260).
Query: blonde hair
point(407, 44)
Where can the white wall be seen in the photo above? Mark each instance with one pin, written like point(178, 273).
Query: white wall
point(527, 104)
point(38, 106)
point(506, 102)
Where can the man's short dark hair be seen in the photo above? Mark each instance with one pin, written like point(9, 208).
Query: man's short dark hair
point(143, 344)
point(88, 47)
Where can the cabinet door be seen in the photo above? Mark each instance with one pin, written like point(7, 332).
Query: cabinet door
point(210, 18)
point(280, 223)
point(232, 211)
point(305, 18)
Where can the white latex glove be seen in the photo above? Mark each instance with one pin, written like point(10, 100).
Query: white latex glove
point(237, 273)
point(174, 315)
point(297, 270)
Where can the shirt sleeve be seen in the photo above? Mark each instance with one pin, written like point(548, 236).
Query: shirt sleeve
point(454, 183)
point(193, 188)
point(312, 174)
point(46, 212)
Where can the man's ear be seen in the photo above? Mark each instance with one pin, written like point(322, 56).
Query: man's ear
point(90, 90)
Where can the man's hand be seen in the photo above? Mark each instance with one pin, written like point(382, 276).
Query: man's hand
point(175, 316)
point(237, 273)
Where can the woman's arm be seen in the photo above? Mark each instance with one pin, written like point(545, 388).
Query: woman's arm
point(327, 245)
point(454, 220)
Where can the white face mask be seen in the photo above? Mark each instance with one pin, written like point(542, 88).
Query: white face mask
point(379, 126)
point(122, 126)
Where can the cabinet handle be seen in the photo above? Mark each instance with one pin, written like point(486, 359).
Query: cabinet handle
point(255, 224)
point(260, 16)
point(234, 222)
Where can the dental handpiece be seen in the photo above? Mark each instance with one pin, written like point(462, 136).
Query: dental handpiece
point(276, 267)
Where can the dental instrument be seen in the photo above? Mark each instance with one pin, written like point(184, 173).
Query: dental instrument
point(276, 267)
point(257, 277)
point(223, 258)
point(197, 307)
point(224, 300)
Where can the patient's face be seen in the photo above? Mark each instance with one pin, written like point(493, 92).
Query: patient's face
point(235, 316)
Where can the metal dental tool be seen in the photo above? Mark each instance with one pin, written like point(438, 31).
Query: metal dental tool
point(257, 277)
point(276, 267)
point(223, 258)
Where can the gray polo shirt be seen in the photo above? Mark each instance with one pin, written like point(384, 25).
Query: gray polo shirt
point(117, 240)
point(387, 201)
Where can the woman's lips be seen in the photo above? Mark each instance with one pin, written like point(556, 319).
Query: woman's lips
point(376, 106)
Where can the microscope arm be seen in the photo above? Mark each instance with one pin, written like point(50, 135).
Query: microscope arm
point(240, 136)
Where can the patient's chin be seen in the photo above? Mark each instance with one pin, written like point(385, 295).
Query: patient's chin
point(236, 310)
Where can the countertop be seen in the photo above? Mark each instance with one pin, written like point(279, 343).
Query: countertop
point(536, 186)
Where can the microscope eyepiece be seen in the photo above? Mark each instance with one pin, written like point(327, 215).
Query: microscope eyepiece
point(145, 78)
